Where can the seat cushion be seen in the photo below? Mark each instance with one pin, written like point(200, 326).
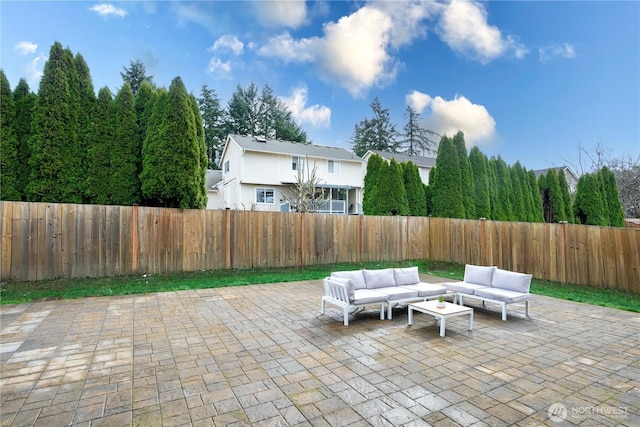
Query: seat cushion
point(511, 280)
point(379, 278)
point(464, 287)
point(406, 276)
point(427, 289)
point(478, 275)
point(504, 295)
point(354, 275)
point(366, 296)
point(398, 293)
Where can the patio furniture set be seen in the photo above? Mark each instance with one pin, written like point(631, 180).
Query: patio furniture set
point(353, 290)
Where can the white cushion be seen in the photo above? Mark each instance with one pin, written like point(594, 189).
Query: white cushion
point(427, 289)
point(397, 293)
point(464, 287)
point(511, 280)
point(504, 295)
point(478, 275)
point(354, 275)
point(366, 296)
point(406, 276)
point(348, 283)
point(379, 278)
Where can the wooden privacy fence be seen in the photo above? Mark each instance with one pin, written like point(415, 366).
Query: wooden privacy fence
point(50, 240)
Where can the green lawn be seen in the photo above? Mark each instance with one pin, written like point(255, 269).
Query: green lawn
point(23, 292)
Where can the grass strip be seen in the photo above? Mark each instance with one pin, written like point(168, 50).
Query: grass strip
point(24, 292)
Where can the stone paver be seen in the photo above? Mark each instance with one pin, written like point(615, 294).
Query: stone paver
point(264, 355)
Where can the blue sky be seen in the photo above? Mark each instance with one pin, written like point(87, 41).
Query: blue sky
point(530, 81)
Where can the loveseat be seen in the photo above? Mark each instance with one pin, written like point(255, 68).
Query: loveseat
point(390, 286)
point(492, 284)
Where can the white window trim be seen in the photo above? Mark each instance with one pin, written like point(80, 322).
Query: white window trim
point(226, 166)
point(336, 167)
point(300, 164)
point(265, 190)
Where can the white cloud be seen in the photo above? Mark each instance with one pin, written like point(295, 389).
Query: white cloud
point(565, 50)
point(408, 19)
point(463, 26)
point(447, 117)
point(25, 48)
point(285, 47)
point(107, 9)
point(193, 12)
point(223, 69)
point(35, 69)
point(283, 13)
point(315, 115)
point(418, 101)
point(228, 42)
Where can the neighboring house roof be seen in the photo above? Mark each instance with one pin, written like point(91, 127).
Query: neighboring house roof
point(212, 179)
point(565, 169)
point(258, 144)
point(420, 161)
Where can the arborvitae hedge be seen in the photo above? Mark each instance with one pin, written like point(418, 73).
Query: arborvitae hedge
point(466, 175)
point(478, 162)
point(588, 206)
point(417, 203)
point(9, 189)
point(374, 166)
point(447, 189)
point(99, 174)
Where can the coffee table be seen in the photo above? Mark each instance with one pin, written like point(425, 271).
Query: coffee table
point(442, 314)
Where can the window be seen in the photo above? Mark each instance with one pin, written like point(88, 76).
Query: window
point(264, 195)
point(334, 166)
point(226, 166)
point(297, 163)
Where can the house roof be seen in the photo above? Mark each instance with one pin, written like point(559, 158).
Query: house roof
point(258, 144)
point(565, 169)
point(212, 178)
point(420, 161)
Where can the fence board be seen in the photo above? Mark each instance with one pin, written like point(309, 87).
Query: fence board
point(6, 245)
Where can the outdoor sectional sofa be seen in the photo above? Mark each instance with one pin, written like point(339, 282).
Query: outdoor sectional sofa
point(355, 289)
point(492, 284)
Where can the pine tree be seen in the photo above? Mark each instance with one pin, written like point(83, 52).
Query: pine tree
point(504, 193)
point(566, 197)
point(213, 121)
point(143, 105)
point(497, 212)
point(135, 75)
point(152, 177)
point(478, 163)
point(24, 101)
point(9, 188)
point(614, 207)
point(467, 177)
point(125, 183)
point(414, 189)
point(99, 176)
point(417, 140)
point(84, 99)
point(200, 197)
point(375, 165)
point(377, 133)
point(518, 192)
point(447, 189)
point(55, 175)
point(555, 197)
point(588, 206)
point(389, 196)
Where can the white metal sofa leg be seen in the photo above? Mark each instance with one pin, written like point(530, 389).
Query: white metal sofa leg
point(504, 310)
point(526, 308)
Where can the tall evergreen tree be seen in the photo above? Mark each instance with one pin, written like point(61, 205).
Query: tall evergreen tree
point(152, 177)
point(538, 213)
point(518, 191)
point(446, 191)
point(418, 141)
point(213, 121)
point(588, 206)
point(497, 208)
point(377, 133)
point(504, 193)
point(9, 188)
point(135, 75)
point(24, 101)
point(555, 197)
point(467, 177)
point(375, 165)
point(478, 162)
point(200, 195)
point(55, 170)
point(566, 197)
point(84, 98)
point(389, 196)
point(614, 207)
point(125, 183)
point(143, 105)
point(99, 154)
point(414, 189)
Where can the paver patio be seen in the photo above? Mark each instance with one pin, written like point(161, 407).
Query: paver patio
point(263, 355)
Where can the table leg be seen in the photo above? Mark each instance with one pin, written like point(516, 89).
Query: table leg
point(410, 316)
point(471, 321)
point(442, 322)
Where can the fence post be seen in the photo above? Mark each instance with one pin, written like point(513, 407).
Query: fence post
point(227, 238)
point(134, 237)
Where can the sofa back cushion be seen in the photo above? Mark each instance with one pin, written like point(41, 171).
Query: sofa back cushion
point(478, 275)
point(406, 276)
point(348, 283)
point(379, 278)
point(512, 281)
point(354, 275)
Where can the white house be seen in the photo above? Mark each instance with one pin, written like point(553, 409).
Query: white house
point(425, 164)
point(213, 182)
point(259, 174)
point(569, 175)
